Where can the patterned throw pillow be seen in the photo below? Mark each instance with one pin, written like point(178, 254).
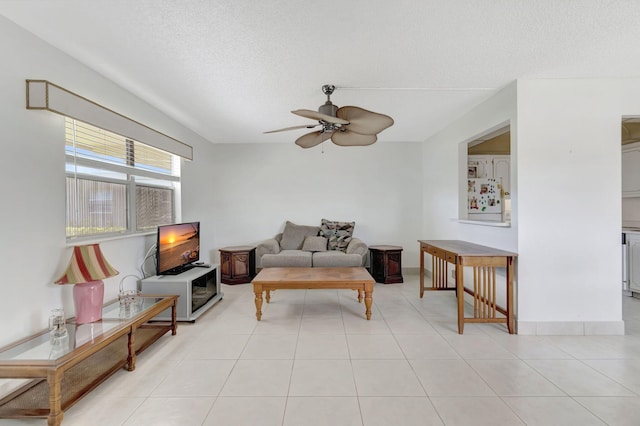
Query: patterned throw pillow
point(339, 234)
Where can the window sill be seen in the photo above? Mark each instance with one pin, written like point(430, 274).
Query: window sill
point(485, 223)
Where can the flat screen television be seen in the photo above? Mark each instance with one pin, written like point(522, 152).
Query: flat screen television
point(177, 247)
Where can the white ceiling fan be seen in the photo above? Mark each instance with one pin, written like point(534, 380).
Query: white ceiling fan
point(345, 126)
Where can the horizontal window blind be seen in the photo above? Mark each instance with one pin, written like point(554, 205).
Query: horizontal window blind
point(87, 141)
point(115, 184)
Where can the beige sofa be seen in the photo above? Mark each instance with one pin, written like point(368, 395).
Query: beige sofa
point(329, 245)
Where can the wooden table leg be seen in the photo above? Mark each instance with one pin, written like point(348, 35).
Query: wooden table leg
point(258, 292)
point(359, 295)
point(268, 295)
point(510, 321)
point(131, 357)
point(422, 272)
point(174, 321)
point(55, 398)
point(460, 295)
point(368, 299)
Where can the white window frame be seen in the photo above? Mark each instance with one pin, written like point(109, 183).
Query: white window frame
point(169, 181)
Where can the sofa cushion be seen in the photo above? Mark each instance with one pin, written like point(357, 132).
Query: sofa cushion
point(293, 235)
point(314, 244)
point(336, 259)
point(338, 233)
point(287, 258)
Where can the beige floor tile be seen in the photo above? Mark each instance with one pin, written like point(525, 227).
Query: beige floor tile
point(258, 378)
point(425, 346)
point(195, 378)
point(386, 378)
point(270, 346)
point(476, 411)
point(450, 378)
point(171, 412)
point(322, 346)
point(322, 411)
point(586, 347)
point(373, 346)
point(237, 411)
point(405, 411)
point(551, 411)
point(530, 347)
point(578, 379)
point(514, 378)
point(358, 324)
point(477, 347)
point(221, 346)
point(99, 410)
point(619, 411)
point(322, 378)
point(624, 371)
point(314, 325)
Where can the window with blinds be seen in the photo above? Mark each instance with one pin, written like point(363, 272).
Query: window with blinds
point(116, 185)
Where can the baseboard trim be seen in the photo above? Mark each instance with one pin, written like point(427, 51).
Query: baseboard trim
point(571, 328)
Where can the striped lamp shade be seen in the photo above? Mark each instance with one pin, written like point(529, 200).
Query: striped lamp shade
point(87, 264)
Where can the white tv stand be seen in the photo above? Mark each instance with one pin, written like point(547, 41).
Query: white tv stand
point(198, 288)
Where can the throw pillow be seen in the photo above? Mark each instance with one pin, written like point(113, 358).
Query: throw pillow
point(315, 244)
point(339, 234)
point(293, 235)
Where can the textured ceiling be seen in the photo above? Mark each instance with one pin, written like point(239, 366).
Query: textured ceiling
point(232, 69)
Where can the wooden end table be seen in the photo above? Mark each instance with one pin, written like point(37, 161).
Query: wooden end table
point(386, 264)
point(237, 264)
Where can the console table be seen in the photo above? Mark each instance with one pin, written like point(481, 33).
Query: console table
point(484, 261)
point(56, 375)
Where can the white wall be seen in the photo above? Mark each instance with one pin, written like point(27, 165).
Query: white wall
point(33, 252)
point(569, 177)
point(444, 184)
point(258, 187)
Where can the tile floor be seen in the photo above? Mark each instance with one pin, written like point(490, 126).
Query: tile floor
point(315, 360)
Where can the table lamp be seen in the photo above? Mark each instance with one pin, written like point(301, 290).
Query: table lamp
point(87, 268)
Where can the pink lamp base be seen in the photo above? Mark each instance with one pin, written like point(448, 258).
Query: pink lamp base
point(88, 299)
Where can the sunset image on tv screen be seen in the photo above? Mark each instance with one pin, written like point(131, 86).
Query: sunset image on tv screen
point(177, 234)
point(178, 245)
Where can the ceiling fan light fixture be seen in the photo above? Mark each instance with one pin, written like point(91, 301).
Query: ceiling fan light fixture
point(328, 109)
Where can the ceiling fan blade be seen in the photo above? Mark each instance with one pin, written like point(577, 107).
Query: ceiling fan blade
point(348, 138)
point(315, 115)
point(308, 126)
point(312, 139)
point(363, 121)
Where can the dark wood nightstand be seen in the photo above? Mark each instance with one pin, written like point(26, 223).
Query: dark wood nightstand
point(386, 264)
point(237, 264)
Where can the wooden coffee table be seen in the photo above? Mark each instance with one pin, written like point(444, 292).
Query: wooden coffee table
point(313, 278)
